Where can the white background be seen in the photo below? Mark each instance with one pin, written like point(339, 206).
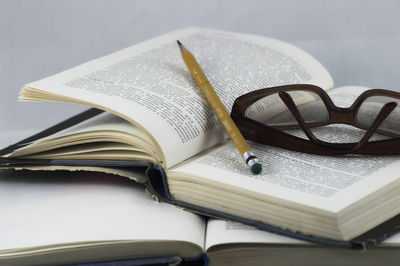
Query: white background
point(358, 41)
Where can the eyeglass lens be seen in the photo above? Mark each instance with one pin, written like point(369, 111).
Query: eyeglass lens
point(370, 108)
point(273, 112)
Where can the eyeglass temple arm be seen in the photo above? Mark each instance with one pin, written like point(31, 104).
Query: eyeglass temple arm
point(288, 100)
point(383, 114)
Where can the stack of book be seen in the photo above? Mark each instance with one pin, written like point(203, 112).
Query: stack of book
point(150, 129)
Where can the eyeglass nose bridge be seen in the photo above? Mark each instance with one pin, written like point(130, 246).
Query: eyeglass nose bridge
point(341, 115)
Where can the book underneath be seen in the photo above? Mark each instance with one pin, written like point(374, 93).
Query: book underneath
point(78, 218)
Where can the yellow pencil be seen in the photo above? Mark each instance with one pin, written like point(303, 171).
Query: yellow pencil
point(220, 111)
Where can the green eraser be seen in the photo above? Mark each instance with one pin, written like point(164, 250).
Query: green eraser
point(256, 168)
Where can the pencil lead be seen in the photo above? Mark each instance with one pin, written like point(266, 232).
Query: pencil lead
point(182, 48)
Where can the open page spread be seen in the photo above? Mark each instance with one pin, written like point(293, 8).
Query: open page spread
point(149, 85)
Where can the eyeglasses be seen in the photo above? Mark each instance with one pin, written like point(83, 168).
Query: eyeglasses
point(279, 116)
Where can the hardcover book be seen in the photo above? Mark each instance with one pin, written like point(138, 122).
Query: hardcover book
point(149, 114)
point(89, 218)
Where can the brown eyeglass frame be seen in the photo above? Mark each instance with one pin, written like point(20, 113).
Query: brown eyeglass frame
point(274, 136)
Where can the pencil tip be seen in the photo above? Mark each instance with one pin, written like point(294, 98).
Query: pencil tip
point(182, 48)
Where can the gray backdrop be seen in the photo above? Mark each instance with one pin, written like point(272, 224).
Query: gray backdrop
point(358, 41)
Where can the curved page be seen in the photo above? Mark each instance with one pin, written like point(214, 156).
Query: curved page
point(148, 84)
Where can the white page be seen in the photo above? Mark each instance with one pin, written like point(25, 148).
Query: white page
point(227, 232)
point(106, 125)
point(40, 209)
point(103, 121)
point(323, 182)
point(392, 241)
point(148, 84)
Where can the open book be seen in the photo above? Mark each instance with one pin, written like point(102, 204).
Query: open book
point(90, 217)
point(157, 118)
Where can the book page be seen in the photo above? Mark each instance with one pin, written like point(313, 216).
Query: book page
point(221, 232)
point(392, 241)
point(227, 232)
point(330, 183)
point(104, 127)
point(101, 122)
point(43, 209)
point(148, 84)
point(319, 181)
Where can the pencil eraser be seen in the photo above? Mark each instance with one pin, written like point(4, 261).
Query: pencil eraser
point(256, 168)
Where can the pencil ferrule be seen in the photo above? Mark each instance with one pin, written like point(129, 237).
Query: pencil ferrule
point(252, 161)
point(250, 156)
